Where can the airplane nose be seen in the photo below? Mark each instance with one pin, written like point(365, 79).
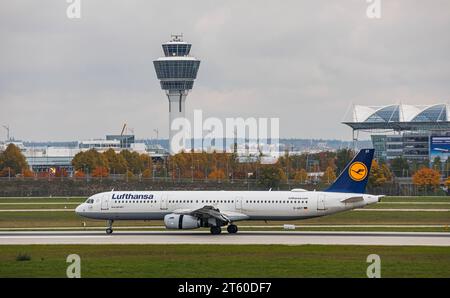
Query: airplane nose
point(78, 209)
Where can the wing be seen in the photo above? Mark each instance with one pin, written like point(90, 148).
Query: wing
point(207, 212)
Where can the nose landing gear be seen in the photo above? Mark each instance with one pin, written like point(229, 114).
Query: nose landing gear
point(109, 229)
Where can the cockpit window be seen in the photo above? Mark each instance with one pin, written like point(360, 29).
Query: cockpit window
point(90, 201)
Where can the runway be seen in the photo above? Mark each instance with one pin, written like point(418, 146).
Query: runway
point(244, 237)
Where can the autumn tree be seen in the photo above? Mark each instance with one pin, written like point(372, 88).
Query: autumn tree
point(217, 174)
point(300, 176)
point(12, 158)
point(437, 164)
point(7, 172)
point(379, 174)
point(89, 160)
point(116, 162)
point(79, 174)
point(147, 173)
point(61, 173)
point(270, 176)
point(133, 160)
point(400, 167)
point(427, 179)
point(329, 175)
point(343, 157)
point(100, 172)
point(27, 173)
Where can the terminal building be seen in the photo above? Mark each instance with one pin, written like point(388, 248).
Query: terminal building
point(416, 133)
point(46, 158)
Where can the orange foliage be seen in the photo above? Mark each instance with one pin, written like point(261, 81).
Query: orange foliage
point(427, 178)
point(217, 175)
point(79, 174)
point(100, 172)
point(28, 173)
point(61, 173)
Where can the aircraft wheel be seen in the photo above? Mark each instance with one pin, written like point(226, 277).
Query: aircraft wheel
point(232, 229)
point(216, 230)
point(109, 231)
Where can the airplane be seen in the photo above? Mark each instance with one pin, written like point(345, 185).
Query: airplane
point(215, 209)
point(442, 150)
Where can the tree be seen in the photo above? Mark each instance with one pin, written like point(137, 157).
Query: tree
point(379, 175)
point(79, 174)
point(271, 176)
point(27, 173)
point(14, 159)
point(89, 160)
point(427, 179)
point(343, 157)
point(7, 172)
point(61, 173)
point(328, 176)
point(147, 173)
point(116, 162)
point(437, 164)
point(100, 172)
point(217, 175)
point(400, 167)
point(133, 160)
point(301, 176)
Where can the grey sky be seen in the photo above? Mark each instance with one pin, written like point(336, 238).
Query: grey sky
point(302, 61)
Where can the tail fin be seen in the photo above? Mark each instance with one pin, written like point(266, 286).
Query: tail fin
point(355, 176)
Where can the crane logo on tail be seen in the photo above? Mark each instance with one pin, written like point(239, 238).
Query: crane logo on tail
point(357, 171)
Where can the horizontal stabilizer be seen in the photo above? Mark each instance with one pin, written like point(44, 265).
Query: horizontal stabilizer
point(352, 200)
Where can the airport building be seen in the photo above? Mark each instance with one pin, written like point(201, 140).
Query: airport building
point(413, 132)
point(176, 71)
point(45, 158)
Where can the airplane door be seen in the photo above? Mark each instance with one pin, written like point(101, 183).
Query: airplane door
point(163, 205)
point(321, 202)
point(105, 202)
point(238, 203)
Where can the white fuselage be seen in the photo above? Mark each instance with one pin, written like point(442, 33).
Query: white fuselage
point(237, 205)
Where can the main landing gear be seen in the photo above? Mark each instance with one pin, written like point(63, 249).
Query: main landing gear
point(232, 229)
point(109, 229)
point(216, 230)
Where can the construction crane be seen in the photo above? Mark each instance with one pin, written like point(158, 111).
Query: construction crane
point(123, 129)
point(7, 131)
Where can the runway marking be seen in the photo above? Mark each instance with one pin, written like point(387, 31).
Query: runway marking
point(305, 226)
point(53, 203)
point(37, 210)
point(203, 237)
point(402, 210)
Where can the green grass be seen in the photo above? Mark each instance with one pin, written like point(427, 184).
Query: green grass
point(43, 200)
point(70, 219)
point(417, 199)
point(408, 206)
point(224, 261)
point(40, 206)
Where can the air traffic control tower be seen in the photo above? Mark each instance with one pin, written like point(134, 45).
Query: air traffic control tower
point(176, 72)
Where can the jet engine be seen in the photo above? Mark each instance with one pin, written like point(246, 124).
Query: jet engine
point(180, 221)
